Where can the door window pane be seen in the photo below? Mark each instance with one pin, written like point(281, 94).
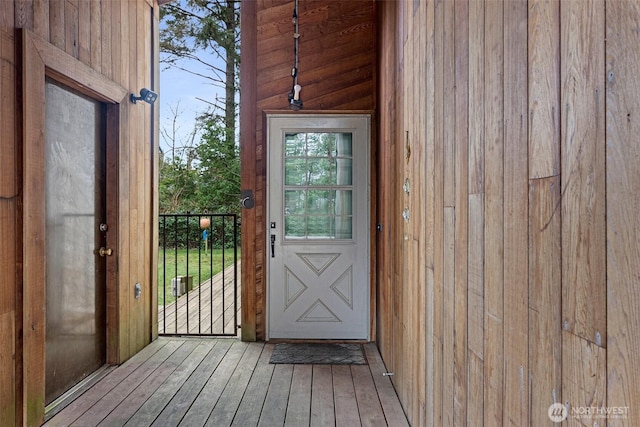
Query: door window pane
point(319, 171)
point(344, 227)
point(295, 144)
point(318, 179)
point(294, 227)
point(294, 202)
point(319, 202)
point(343, 202)
point(319, 227)
point(295, 171)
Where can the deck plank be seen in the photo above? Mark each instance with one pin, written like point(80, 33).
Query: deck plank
point(299, 406)
point(371, 413)
point(252, 402)
point(322, 407)
point(344, 395)
point(391, 406)
point(199, 412)
point(275, 404)
point(226, 407)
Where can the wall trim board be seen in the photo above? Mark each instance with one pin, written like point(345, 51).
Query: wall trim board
point(248, 132)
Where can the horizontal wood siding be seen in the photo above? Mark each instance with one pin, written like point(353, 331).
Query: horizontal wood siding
point(115, 40)
point(337, 72)
point(529, 218)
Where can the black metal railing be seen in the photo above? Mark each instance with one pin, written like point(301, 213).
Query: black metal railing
point(198, 274)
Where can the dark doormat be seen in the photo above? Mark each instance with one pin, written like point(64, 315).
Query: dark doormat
point(318, 354)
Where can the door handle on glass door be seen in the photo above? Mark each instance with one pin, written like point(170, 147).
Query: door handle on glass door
point(273, 246)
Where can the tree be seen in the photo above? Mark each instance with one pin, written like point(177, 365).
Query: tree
point(177, 174)
point(193, 27)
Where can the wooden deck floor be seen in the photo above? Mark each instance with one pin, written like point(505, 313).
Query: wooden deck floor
point(208, 309)
point(223, 381)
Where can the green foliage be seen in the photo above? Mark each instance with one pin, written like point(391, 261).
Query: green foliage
point(176, 184)
point(218, 168)
point(207, 179)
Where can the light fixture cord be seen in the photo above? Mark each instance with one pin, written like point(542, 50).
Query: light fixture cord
point(296, 37)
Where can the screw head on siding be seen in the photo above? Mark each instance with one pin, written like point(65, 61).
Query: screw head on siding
point(405, 214)
point(407, 186)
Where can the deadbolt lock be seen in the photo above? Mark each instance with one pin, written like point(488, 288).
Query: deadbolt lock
point(105, 251)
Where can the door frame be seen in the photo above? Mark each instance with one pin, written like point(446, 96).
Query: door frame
point(40, 60)
point(371, 206)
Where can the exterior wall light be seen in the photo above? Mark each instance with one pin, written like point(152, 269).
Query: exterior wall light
point(146, 95)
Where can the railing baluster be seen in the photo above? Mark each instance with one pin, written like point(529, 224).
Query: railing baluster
point(235, 274)
point(224, 289)
point(199, 279)
point(164, 275)
point(175, 270)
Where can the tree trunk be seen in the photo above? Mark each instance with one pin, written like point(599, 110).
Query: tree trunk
point(230, 85)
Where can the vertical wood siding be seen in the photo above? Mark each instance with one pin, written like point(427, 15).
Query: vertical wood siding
point(515, 282)
point(9, 248)
point(114, 38)
point(623, 206)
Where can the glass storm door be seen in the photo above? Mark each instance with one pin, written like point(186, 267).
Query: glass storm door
point(318, 244)
point(75, 206)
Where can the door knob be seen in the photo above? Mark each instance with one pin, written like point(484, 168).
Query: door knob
point(105, 251)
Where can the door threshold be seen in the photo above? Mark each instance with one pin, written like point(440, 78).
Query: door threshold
point(76, 391)
point(317, 341)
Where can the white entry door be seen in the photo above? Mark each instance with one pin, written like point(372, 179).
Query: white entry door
point(318, 245)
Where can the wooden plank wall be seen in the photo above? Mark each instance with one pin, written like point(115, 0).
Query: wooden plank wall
point(337, 72)
point(10, 268)
point(623, 206)
point(115, 38)
point(514, 284)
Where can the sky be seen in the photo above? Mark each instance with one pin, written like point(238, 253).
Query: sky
point(178, 90)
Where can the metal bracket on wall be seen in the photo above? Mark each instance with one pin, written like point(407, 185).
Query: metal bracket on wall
point(407, 146)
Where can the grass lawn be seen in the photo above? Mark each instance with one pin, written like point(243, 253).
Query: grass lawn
point(202, 266)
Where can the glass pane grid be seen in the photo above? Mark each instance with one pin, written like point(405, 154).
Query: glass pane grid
point(318, 170)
